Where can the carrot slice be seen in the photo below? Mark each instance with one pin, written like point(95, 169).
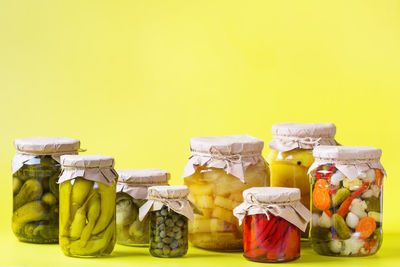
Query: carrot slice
point(366, 227)
point(378, 177)
point(321, 199)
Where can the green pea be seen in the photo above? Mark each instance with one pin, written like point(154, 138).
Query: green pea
point(170, 234)
point(166, 250)
point(178, 235)
point(180, 223)
point(162, 234)
point(153, 245)
point(169, 223)
point(164, 212)
point(167, 240)
point(159, 220)
point(176, 252)
point(160, 245)
point(157, 252)
point(174, 244)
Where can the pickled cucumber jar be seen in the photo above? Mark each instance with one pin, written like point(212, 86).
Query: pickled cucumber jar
point(347, 184)
point(132, 189)
point(169, 210)
point(291, 154)
point(273, 218)
point(35, 169)
point(217, 172)
point(87, 205)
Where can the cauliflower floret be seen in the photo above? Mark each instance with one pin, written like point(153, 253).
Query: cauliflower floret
point(336, 178)
point(352, 220)
point(314, 219)
point(368, 176)
point(373, 191)
point(352, 246)
point(353, 184)
point(358, 207)
point(335, 246)
point(324, 221)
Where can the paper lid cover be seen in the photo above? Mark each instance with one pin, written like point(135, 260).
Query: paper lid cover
point(288, 136)
point(168, 191)
point(271, 194)
point(143, 176)
point(47, 145)
point(87, 161)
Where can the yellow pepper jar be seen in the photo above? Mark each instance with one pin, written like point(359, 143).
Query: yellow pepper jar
point(87, 205)
point(218, 171)
point(291, 154)
point(35, 168)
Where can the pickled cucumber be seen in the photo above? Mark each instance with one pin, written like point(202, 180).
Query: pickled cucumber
point(31, 190)
point(321, 234)
point(373, 204)
point(341, 227)
point(168, 233)
point(340, 196)
point(32, 211)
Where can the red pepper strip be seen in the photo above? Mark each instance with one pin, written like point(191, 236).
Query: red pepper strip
point(272, 244)
point(266, 231)
point(260, 223)
point(378, 177)
point(360, 191)
point(255, 253)
point(318, 174)
point(263, 242)
point(344, 207)
point(293, 247)
point(329, 213)
point(330, 171)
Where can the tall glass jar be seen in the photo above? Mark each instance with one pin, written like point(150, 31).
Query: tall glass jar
point(36, 169)
point(273, 218)
point(169, 210)
point(87, 205)
point(132, 189)
point(217, 172)
point(347, 184)
point(291, 154)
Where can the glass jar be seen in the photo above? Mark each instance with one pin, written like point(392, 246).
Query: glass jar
point(87, 205)
point(272, 220)
point(131, 195)
point(168, 233)
point(218, 171)
point(169, 210)
point(347, 201)
point(291, 154)
point(35, 191)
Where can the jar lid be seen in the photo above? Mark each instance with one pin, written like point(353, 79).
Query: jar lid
point(87, 161)
point(288, 136)
point(47, 145)
point(268, 195)
point(168, 191)
point(143, 176)
point(227, 145)
point(347, 153)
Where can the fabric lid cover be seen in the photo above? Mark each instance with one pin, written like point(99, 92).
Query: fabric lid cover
point(288, 136)
point(97, 168)
point(135, 182)
point(28, 148)
point(174, 197)
point(230, 153)
point(352, 161)
point(279, 201)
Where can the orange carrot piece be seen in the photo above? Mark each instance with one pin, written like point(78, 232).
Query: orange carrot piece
point(366, 227)
point(378, 177)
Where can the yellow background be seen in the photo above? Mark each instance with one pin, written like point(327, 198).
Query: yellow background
point(137, 79)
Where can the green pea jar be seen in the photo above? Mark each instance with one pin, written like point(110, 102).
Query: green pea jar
point(169, 211)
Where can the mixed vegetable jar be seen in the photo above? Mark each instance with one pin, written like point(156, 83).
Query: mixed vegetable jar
point(169, 210)
point(291, 154)
point(132, 189)
point(273, 218)
point(35, 169)
point(217, 172)
point(87, 205)
point(347, 200)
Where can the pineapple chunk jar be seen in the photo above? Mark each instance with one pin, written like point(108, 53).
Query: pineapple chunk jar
point(132, 187)
point(218, 171)
point(291, 155)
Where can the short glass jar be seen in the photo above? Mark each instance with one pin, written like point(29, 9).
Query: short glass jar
point(36, 169)
point(347, 184)
point(273, 218)
point(217, 172)
point(169, 210)
point(132, 189)
point(87, 205)
point(291, 154)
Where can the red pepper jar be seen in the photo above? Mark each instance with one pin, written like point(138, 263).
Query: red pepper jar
point(273, 218)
